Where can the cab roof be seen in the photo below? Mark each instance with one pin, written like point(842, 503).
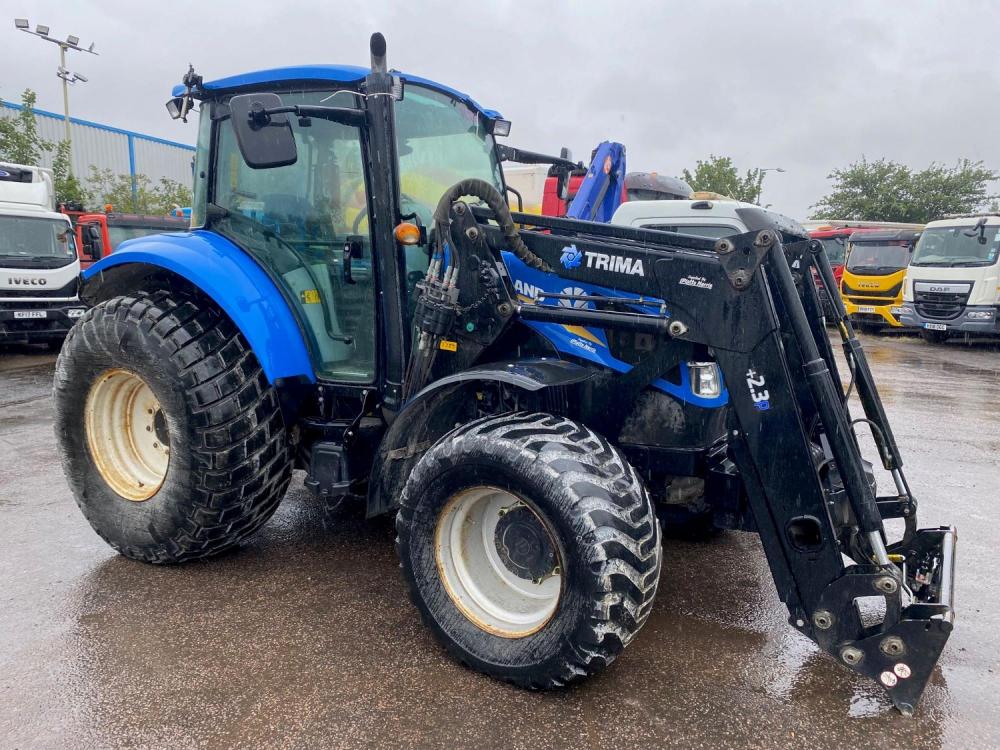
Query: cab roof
point(899, 235)
point(325, 74)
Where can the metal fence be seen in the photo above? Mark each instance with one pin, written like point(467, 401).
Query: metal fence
point(106, 147)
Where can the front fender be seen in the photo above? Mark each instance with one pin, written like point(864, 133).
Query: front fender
point(228, 276)
point(434, 411)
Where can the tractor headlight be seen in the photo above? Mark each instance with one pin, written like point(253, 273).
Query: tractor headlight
point(706, 379)
point(980, 315)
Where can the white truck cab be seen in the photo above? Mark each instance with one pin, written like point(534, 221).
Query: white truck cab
point(705, 215)
point(39, 266)
point(953, 281)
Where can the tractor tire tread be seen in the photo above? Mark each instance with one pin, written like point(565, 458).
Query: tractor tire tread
point(617, 527)
point(226, 514)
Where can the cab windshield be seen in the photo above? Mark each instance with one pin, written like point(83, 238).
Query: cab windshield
point(37, 242)
point(440, 141)
point(878, 258)
point(836, 249)
point(953, 246)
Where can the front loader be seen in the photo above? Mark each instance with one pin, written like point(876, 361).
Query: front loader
point(356, 299)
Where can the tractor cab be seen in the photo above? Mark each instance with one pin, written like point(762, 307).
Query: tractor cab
point(322, 213)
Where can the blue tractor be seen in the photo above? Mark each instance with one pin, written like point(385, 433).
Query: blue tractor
point(355, 299)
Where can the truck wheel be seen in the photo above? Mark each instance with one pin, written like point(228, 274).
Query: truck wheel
point(933, 337)
point(530, 547)
point(172, 439)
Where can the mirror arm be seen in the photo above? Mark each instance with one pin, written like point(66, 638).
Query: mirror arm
point(343, 115)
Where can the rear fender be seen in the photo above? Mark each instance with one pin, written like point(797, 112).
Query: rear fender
point(224, 273)
point(437, 408)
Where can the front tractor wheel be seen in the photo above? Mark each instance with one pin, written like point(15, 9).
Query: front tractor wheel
point(171, 437)
point(530, 547)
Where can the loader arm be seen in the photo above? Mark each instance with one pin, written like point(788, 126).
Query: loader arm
point(790, 433)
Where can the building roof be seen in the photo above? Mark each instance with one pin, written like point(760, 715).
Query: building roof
point(101, 126)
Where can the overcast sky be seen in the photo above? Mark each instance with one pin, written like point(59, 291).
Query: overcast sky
point(806, 86)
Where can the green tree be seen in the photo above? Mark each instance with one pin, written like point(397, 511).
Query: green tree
point(19, 139)
point(171, 194)
point(719, 175)
point(885, 190)
point(68, 188)
point(106, 187)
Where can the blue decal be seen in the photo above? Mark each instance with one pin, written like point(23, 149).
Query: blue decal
point(571, 257)
point(590, 343)
point(763, 405)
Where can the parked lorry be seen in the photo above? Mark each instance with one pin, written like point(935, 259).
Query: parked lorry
point(98, 234)
point(871, 284)
point(953, 285)
point(319, 316)
point(39, 268)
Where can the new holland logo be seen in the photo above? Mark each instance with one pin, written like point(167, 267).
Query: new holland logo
point(575, 291)
point(528, 290)
point(27, 281)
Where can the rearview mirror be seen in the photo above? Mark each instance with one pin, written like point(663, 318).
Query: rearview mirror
point(92, 244)
point(263, 134)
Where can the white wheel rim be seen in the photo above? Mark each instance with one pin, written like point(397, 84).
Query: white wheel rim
point(127, 434)
point(480, 583)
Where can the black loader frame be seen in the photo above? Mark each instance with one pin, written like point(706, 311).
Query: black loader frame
point(791, 458)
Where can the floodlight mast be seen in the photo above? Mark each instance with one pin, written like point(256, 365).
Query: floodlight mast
point(71, 42)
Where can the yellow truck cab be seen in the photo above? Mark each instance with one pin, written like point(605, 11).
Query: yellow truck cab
point(872, 283)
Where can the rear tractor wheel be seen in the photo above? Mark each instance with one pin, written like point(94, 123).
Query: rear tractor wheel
point(171, 437)
point(530, 547)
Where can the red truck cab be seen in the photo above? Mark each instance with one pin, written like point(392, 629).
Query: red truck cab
point(98, 235)
point(638, 186)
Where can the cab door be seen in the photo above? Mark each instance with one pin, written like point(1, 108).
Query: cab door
point(306, 223)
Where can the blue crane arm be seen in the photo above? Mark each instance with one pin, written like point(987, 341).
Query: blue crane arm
point(600, 193)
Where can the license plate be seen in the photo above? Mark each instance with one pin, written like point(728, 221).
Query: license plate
point(935, 326)
point(866, 308)
point(75, 313)
point(29, 314)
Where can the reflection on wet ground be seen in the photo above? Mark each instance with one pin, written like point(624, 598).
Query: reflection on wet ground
point(304, 637)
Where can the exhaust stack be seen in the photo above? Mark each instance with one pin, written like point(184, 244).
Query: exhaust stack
point(377, 47)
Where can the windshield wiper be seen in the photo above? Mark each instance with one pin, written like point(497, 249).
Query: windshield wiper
point(216, 212)
point(970, 263)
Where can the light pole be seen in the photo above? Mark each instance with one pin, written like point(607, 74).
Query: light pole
point(760, 179)
point(71, 42)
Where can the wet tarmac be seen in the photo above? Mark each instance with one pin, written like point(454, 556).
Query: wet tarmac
point(304, 637)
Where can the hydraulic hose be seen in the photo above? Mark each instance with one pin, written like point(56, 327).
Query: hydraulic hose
point(492, 198)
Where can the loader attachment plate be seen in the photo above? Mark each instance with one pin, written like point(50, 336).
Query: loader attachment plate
point(900, 652)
